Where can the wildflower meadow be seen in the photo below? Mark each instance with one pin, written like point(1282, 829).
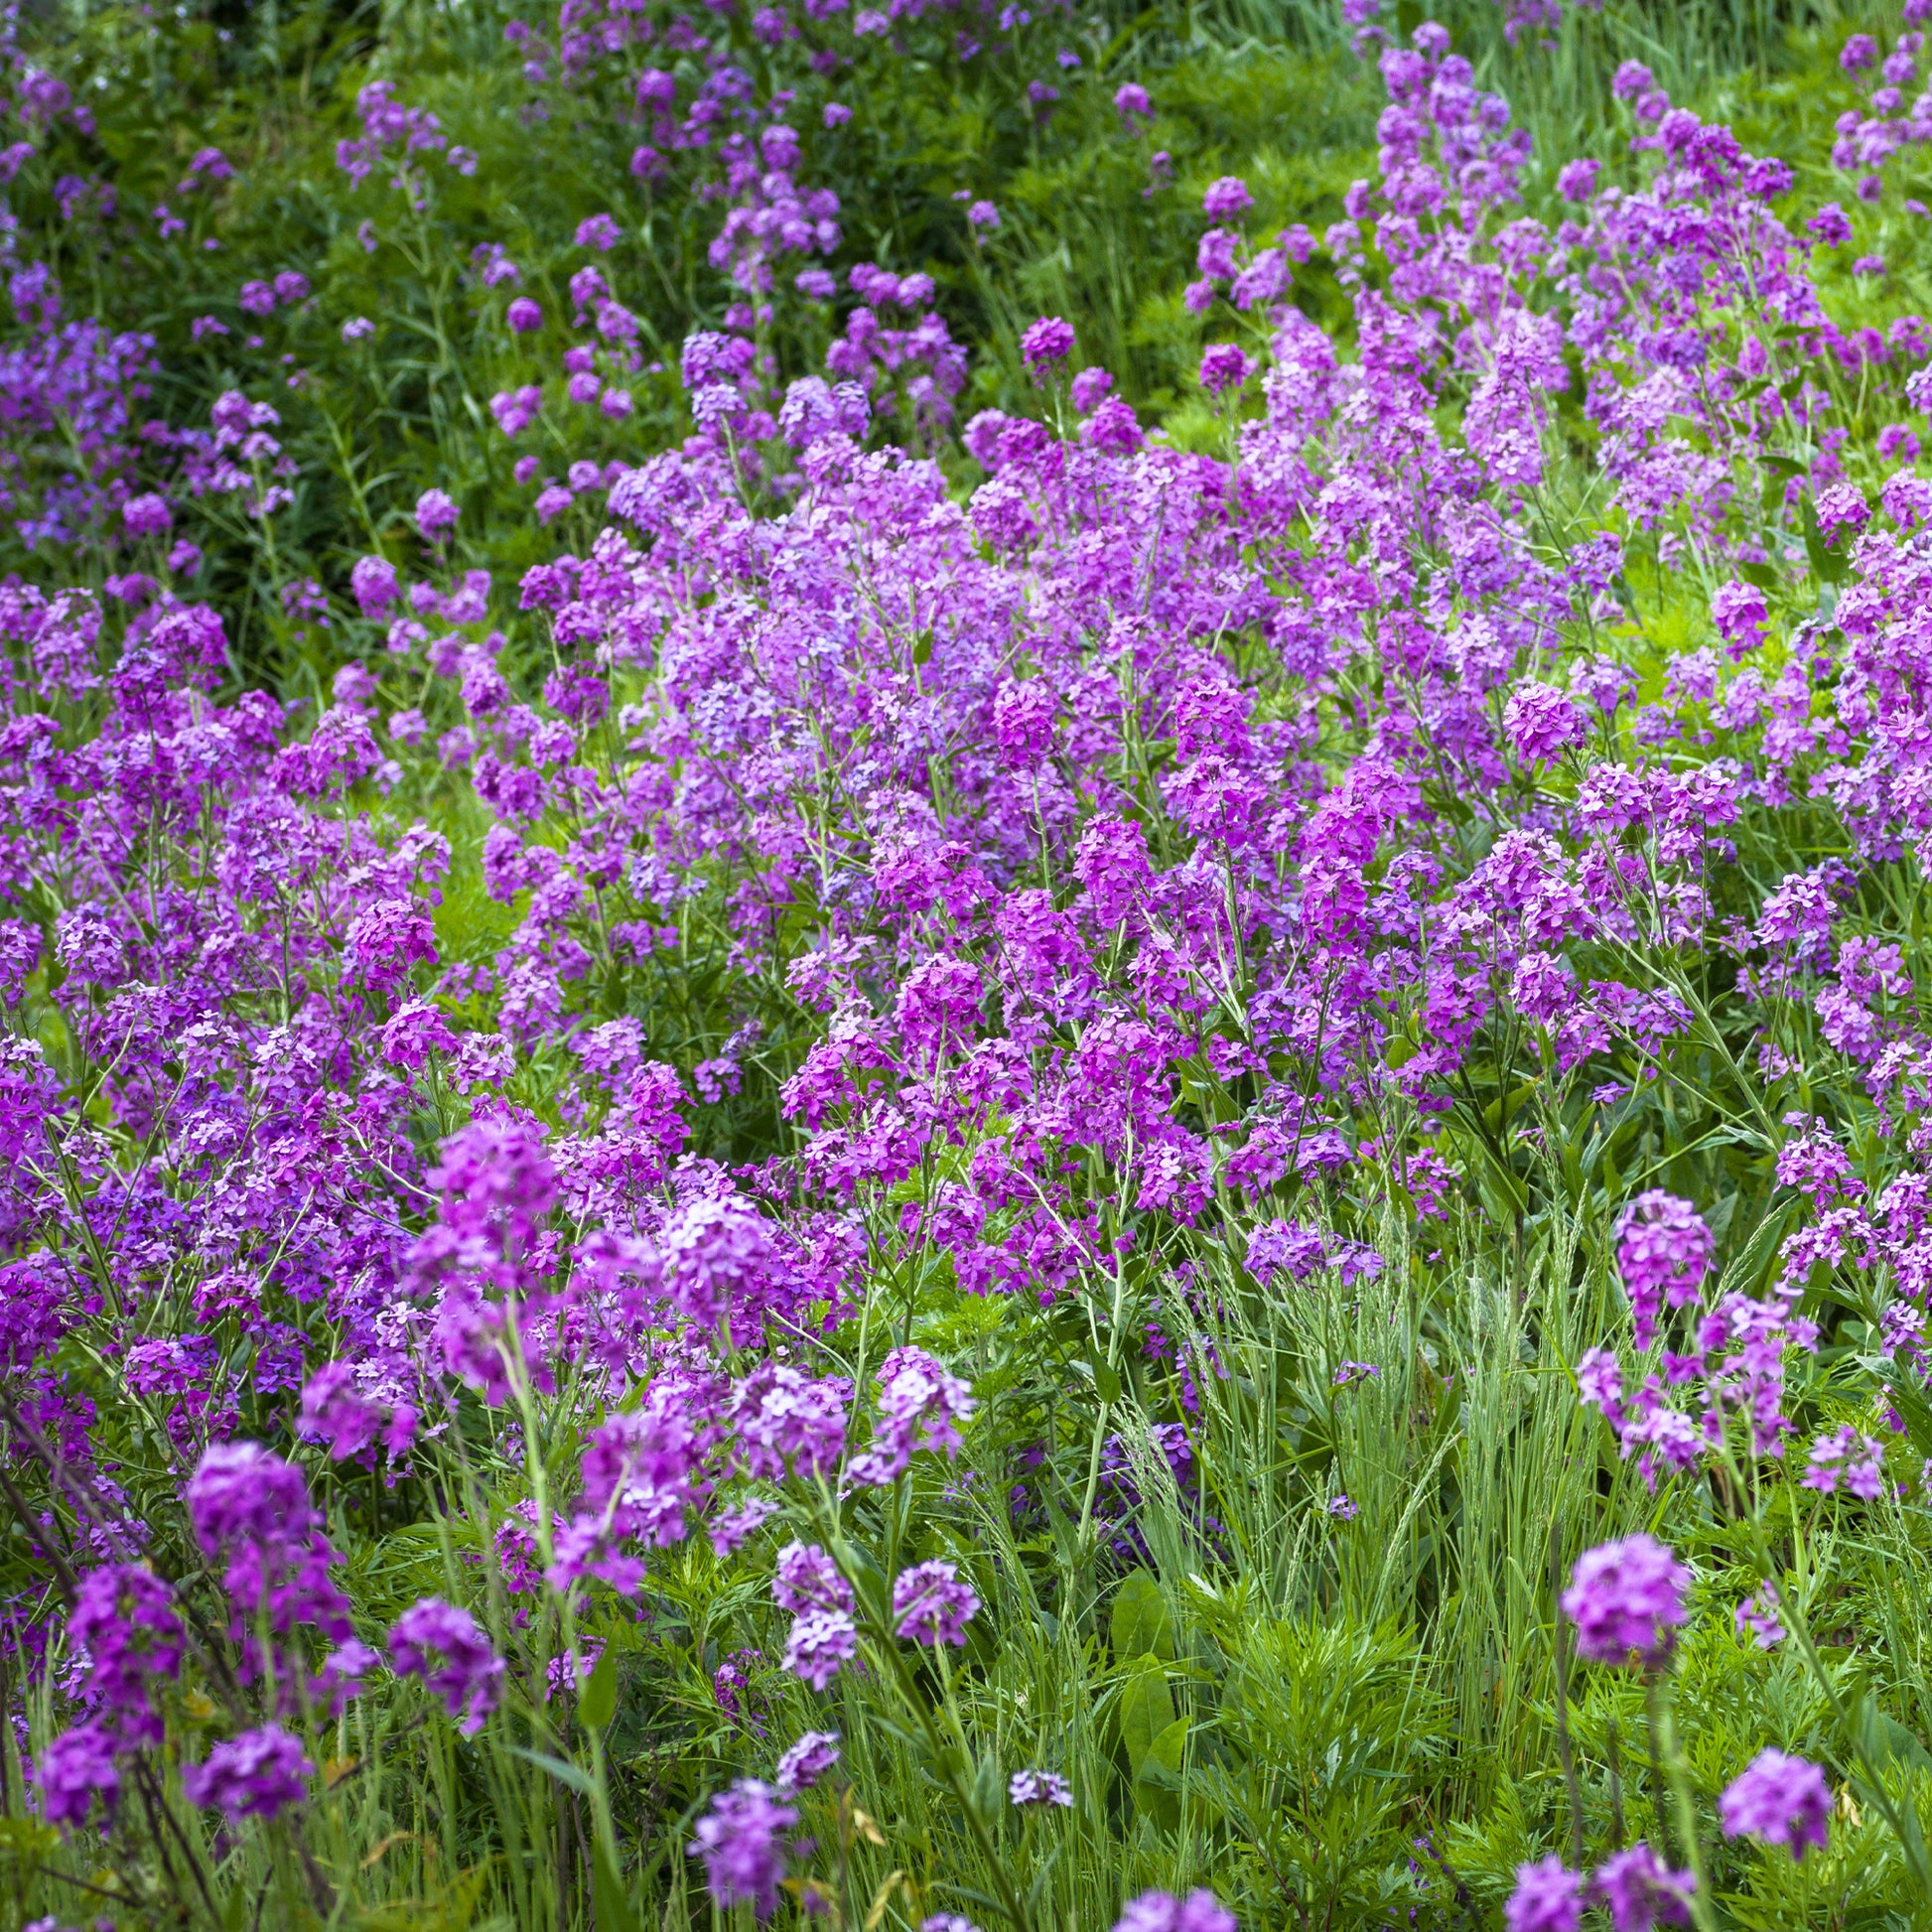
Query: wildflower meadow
point(964, 967)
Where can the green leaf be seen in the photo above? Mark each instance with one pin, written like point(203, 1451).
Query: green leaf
point(1157, 1786)
point(598, 1703)
point(988, 1790)
point(1762, 575)
point(1146, 1712)
point(1106, 1377)
point(614, 1911)
point(1827, 565)
point(564, 1772)
point(1141, 1625)
point(28, 1838)
point(1885, 1740)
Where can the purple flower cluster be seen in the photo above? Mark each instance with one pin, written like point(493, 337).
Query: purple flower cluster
point(1778, 1799)
point(1123, 854)
point(741, 1842)
point(1637, 1889)
point(1626, 1598)
point(449, 1650)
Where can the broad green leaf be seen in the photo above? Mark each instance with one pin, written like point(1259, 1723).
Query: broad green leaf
point(598, 1702)
point(1141, 1626)
point(1145, 1711)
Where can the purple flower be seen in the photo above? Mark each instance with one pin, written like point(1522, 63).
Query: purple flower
point(819, 1645)
point(599, 232)
point(250, 1511)
point(808, 1580)
point(920, 1407)
point(255, 1775)
point(1161, 1911)
point(1738, 611)
point(468, 1674)
point(76, 1769)
point(525, 316)
point(718, 1260)
point(1576, 180)
point(243, 1495)
point(787, 1424)
point(1758, 1614)
point(1830, 226)
point(1641, 1891)
point(1860, 52)
point(1846, 1457)
point(385, 941)
point(1549, 1897)
point(931, 1605)
point(1131, 101)
point(740, 1840)
point(1046, 342)
point(374, 582)
point(1626, 1596)
point(1223, 367)
point(1088, 389)
point(436, 514)
point(1664, 1251)
point(1042, 1788)
point(983, 217)
point(147, 515)
point(1779, 1799)
point(123, 1618)
point(1226, 196)
point(1541, 722)
point(801, 1767)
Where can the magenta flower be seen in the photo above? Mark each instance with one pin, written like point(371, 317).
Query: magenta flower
point(920, 1407)
point(1045, 1789)
point(1542, 723)
point(447, 1648)
point(1161, 1911)
point(1227, 197)
point(123, 1619)
point(1740, 612)
point(808, 1580)
point(819, 1644)
point(1640, 1891)
point(146, 516)
point(1779, 1799)
point(1223, 367)
point(1088, 387)
point(1046, 343)
point(740, 1840)
point(931, 1605)
point(1549, 1897)
point(525, 316)
point(1830, 226)
point(1626, 1596)
point(436, 514)
point(257, 1775)
point(801, 1767)
point(1664, 1251)
point(76, 1769)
